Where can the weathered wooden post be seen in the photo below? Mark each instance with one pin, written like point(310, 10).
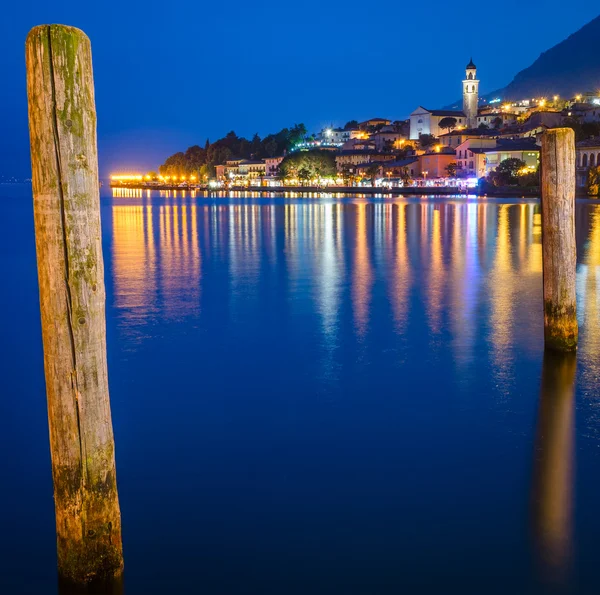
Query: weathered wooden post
point(558, 239)
point(62, 126)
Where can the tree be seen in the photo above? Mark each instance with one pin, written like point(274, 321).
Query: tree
point(175, 165)
point(497, 122)
point(255, 146)
point(506, 174)
point(347, 175)
point(372, 172)
point(483, 126)
point(448, 123)
point(351, 125)
point(405, 176)
point(314, 164)
point(304, 174)
point(296, 134)
point(426, 140)
point(451, 169)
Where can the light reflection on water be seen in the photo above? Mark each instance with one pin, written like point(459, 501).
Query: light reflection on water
point(454, 287)
point(460, 258)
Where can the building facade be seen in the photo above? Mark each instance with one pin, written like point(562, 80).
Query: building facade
point(587, 155)
point(272, 166)
point(434, 165)
point(424, 121)
point(470, 156)
point(353, 158)
point(471, 95)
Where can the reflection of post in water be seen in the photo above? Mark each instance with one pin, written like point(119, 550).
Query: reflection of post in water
point(114, 587)
point(553, 467)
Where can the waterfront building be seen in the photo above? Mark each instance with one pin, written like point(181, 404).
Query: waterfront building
point(252, 168)
point(434, 164)
point(353, 158)
point(239, 170)
point(471, 95)
point(396, 168)
point(587, 155)
point(470, 157)
point(524, 149)
point(272, 165)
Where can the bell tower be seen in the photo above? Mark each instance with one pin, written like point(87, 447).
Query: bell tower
point(471, 95)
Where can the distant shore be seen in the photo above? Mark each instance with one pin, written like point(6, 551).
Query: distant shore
point(349, 190)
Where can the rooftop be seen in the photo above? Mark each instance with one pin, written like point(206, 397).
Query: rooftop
point(589, 142)
point(446, 112)
point(519, 144)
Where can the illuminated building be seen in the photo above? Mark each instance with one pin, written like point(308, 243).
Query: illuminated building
point(271, 166)
point(470, 157)
point(524, 149)
point(373, 122)
point(435, 163)
point(491, 119)
point(471, 95)
point(587, 155)
point(358, 157)
point(424, 121)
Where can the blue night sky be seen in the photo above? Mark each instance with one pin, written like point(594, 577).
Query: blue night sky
point(171, 76)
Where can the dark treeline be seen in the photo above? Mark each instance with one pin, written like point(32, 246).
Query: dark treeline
point(201, 161)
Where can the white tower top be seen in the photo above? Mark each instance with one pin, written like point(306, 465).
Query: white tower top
point(471, 95)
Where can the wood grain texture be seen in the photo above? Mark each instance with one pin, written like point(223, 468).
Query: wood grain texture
point(558, 239)
point(62, 125)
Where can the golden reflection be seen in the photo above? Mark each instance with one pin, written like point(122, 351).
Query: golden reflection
point(553, 467)
point(436, 286)
point(534, 259)
point(468, 223)
point(128, 193)
point(363, 276)
point(134, 262)
point(401, 277)
point(588, 299)
point(502, 290)
point(156, 273)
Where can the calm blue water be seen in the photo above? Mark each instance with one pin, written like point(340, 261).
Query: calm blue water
point(334, 396)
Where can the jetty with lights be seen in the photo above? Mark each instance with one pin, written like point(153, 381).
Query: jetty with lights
point(155, 182)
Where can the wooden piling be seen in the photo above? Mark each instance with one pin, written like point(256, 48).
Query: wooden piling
point(62, 126)
point(558, 239)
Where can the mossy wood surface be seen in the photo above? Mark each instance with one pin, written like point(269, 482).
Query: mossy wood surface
point(558, 239)
point(62, 124)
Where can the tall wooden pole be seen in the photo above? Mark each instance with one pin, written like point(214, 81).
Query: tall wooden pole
point(62, 126)
point(558, 239)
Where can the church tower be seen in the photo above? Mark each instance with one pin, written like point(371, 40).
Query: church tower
point(471, 95)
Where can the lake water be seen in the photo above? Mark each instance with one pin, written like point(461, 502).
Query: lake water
point(340, 396)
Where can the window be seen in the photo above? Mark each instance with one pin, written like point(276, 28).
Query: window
point(420, 121)
point(470, 165)
point(584, 161)
point(592, 160)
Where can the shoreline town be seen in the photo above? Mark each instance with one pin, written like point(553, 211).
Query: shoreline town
point(488, 147)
